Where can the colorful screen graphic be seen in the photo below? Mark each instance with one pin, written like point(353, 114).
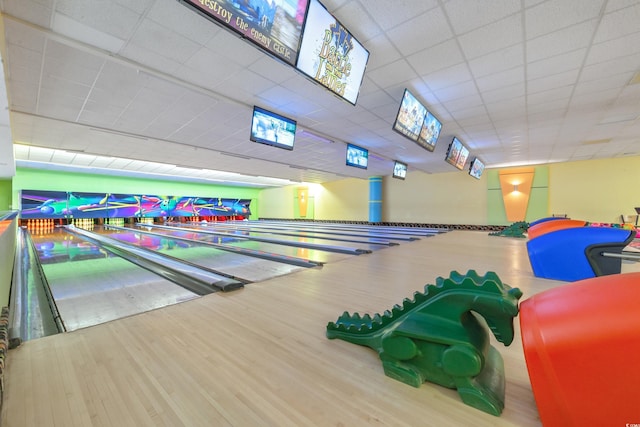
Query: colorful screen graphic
point(43, 204)
point(330, 55)
point(357, 156)
point(272, 25)
point(399, 170)
point(410, 116)
point(476, 168)
point(272, 129)
point(430, 132)
point(457, 154)
point(55, 204)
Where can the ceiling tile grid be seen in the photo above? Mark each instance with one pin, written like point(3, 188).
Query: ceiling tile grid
point(519, 82)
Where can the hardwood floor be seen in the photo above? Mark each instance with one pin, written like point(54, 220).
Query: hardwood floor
point(259, 356)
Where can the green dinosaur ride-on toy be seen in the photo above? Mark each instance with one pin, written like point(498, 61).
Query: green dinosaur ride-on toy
point(435, 337)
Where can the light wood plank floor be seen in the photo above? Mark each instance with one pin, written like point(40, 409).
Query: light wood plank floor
point(259, 356)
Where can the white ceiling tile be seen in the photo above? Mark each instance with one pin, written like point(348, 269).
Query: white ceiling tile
point(493, 37)
point(464, 90)
point(385, 51)
point(498, 61)
point(79, 31)
point(413, 35)
point(83, 159)
point(515, 107)
point(613, 5)
point(62, 157)
point(225, 44)
point(450, 77)
point(106, 17)
point(272, 69)
point(402, 10)
point(556, 65)
point(464, 102)
point(554, 15)
point(175, 15)
point(531, 3)
point(150, 59)
point(40, 154)
point(613, 49)
point(436, 57)
point(626, 65)
point(355, 18)
point(19, 34)
point(35, 11)
point(504, 92)
point(158, 39)
point(612, 83)
point(180, 77)
point(504, 78)
point(391, 74)
point(566, 40)
point(466, 16)
point(619, 23)
point(554, 94)
point(554, 81)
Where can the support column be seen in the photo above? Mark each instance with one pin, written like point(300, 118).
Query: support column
point(375, 199)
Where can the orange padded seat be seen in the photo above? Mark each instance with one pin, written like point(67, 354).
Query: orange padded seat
point(582, 347)
point(549, 226)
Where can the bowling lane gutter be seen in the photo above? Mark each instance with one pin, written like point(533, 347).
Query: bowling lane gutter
point(197, 279)
point(306, 245)
point(299, 262)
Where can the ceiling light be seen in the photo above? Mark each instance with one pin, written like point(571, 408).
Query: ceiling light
point(596, 141)
point(240, 156)
point(308, 133)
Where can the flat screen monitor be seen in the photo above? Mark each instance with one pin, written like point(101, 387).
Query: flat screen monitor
point(330, 55)
point(410, 116)
point(274, 26)
point(462, 158)
point(457, 154)
point(399, 170)
point(272, 129)
point(476, 168)
point(430, 132)
point(357, 156)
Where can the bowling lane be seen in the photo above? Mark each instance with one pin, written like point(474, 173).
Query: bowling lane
point(354, 246)
point(368, 228)
point(92, 286)
point(315, 255)
point(244, 267)
point(372, 235)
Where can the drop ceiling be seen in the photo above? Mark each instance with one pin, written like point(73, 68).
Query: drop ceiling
point(107, 85)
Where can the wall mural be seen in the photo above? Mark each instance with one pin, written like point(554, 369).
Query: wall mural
point(63, 205)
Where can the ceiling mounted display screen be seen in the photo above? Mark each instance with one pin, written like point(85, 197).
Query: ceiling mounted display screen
point(357, 156)
point(399, 170)
point(410, 116)
point(272, 129)
point(476, 168)
point(430, 132)
point(273, 25)
point(330, 55)
point(457, 154)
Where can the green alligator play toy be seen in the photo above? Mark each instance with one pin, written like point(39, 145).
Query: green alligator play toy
point(517, 229)
point(435, 337)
